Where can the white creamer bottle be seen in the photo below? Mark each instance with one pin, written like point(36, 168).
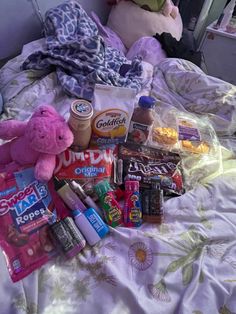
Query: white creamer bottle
point(81, 112)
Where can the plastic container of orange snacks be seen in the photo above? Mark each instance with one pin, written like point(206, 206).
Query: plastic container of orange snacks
point(182, 132)
point(113, 108)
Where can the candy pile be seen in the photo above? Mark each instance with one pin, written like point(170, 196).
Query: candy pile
point(124, 161)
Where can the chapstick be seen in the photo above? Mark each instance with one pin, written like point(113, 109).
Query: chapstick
point(74, 231)
point(96, 221)
point(84, 197)
point(68, 195)
point(85, 227)
point(64, 238)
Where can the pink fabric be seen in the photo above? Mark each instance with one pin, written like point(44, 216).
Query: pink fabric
point(35, 143)
point(148, 48)
point(109, 36)
point(131, 23)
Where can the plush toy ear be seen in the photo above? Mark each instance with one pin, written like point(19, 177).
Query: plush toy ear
point(169, 9)
point(47, 111)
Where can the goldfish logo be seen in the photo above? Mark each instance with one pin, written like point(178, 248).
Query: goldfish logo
point(118, 131)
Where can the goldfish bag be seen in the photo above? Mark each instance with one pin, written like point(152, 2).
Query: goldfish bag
point(113, 109)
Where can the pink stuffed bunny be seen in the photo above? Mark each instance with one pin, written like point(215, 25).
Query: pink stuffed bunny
point(36, 142)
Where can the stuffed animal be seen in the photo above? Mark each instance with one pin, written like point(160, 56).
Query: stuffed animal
point(36, 142)
point(165, 6)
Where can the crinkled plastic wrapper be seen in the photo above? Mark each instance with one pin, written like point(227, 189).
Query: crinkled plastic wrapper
point(26, 210)
point(182, 132)
point(146, 164)
point(191, 136)
point(113, 109)
point(87, 167)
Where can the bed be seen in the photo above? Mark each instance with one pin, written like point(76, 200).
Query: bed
point(185, 265)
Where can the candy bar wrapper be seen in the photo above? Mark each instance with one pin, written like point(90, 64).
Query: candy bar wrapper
point(87, 167)
point(146, 164)
point(26, 211)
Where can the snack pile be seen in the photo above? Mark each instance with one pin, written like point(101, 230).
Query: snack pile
point(125, 160)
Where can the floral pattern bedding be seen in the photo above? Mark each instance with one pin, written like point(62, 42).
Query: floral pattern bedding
point(185, 86)
point(187, 264)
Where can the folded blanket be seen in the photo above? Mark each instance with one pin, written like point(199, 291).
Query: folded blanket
point(79, 54)
point(1, 103)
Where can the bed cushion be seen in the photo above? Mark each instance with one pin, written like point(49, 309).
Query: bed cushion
point(110, 37)
point(148, 48)
point(1, 103)
point(131, 22)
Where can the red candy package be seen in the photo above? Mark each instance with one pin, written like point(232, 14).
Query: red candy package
point(26, 210)
point(87, 167)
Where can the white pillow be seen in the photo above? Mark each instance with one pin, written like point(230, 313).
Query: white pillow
point(131, 22)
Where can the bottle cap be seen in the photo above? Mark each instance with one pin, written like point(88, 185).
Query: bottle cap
point(81, 109)
point(156, 185)
point(119, 194)
point(102, 188)
point(76, 212)
point(132, 185)
point(147, 102)
point(58, 183)
point(78, 189)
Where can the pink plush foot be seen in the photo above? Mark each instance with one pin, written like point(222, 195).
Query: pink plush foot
point(12, 167)
point(5, 156)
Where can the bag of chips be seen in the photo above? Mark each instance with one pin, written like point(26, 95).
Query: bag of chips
point(113, 108)
point(146, 164)
point(87, 167)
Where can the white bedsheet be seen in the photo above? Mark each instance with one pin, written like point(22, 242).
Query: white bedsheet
point(186, 265)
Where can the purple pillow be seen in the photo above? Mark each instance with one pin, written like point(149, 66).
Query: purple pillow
point(148, 48)
point(109, 36)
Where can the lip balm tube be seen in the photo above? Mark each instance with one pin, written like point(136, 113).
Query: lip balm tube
point(86, 228)
point(68, 196)
point(74, 231)
point(64, 238)
point(97, 223)
point(84, 197)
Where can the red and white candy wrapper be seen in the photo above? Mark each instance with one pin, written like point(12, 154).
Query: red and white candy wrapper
point(87, 167)
point(26, 210)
